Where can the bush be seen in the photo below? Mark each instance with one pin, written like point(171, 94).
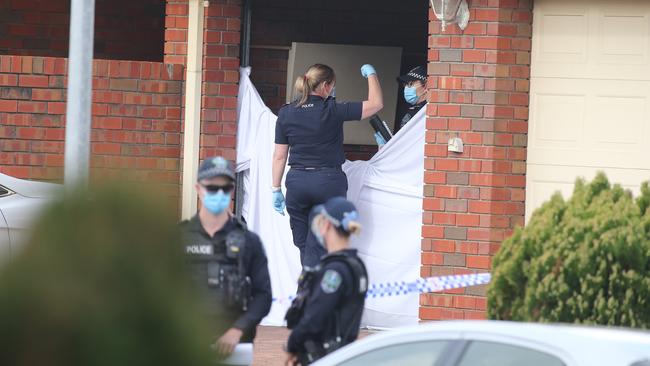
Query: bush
point(102, 282)
point(585, 260)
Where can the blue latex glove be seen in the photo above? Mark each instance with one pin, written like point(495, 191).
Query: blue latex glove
point(278, 202)
point(380, 139)
point(367, 70)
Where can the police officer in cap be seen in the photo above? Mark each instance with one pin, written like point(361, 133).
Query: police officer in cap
point(228, 261)
point(311, 128)
point(415, 94)
point(327, 312)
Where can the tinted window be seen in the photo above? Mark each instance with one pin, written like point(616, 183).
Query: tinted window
point(3, 191)
point(498, 354)
point(412, 354)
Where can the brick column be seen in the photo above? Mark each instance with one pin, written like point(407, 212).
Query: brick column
point(220, 78)
point(478, 84)
point(176, 31)
point(221, 39)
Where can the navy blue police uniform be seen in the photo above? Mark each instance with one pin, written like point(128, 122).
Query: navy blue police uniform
point(314, 133)
point(231, 270)
point(410, 112)
point(334, 306)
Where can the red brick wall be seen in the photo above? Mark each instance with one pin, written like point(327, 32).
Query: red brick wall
point(220, 78)
point(479, 82)
point(175, 48)
point(124, 29)
point(136, 119)
point(222, 25)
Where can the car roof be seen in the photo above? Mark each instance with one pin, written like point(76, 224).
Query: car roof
point(29, 188)
point(581, 344)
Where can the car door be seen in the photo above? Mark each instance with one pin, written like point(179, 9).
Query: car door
point(414, 353)
point(20, 213)
point(494, 353)
point(5, 245)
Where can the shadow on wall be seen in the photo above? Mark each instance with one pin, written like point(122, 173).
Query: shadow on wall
point(124, 29)
point(102, 281)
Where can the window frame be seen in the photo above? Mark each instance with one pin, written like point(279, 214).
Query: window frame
point(449, 351)
point(8, 192)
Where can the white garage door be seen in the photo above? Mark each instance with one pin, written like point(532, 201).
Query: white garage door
point(590, 95)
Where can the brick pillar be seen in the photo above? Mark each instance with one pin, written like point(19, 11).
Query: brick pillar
point(221, 39)
point(220, 78)
point(176, 31)
point(478, 84)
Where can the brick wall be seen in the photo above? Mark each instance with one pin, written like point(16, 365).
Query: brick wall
point(479, 82)
point(136, 119)
point(124, 29)
point(222, 25)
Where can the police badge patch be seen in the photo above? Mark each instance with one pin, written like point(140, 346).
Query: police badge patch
point(331, 281)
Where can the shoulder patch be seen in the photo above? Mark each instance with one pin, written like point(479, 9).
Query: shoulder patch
point(331, 281)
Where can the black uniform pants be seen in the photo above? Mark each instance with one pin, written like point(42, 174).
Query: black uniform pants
point(307, 188)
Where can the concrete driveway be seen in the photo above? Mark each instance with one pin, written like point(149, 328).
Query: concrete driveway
point(269, 342)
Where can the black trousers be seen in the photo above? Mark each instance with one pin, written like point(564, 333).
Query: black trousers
point(307, 188)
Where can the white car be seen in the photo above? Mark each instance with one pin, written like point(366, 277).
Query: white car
point(21, 202)
point(496, 343)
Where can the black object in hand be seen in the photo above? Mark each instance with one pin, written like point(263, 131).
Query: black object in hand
point(380, 126)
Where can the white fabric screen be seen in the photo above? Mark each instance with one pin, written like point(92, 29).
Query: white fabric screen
point(387, 191)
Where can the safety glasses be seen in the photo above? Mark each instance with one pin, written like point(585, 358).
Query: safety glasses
point(214, 188)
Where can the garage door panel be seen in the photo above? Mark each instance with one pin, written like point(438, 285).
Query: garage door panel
point(542, 181)
point(589, 37)
point(558, 120)
point(589, 123)
point(623, 37)
point(589, 95)
point(627, 114)
point(565, 32)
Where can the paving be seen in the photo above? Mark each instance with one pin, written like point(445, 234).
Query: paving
point(269, 342)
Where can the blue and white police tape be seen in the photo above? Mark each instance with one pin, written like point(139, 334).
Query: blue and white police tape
point(421, 285)
point(425, 285)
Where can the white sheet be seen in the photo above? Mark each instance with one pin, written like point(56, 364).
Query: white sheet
point(387, 191)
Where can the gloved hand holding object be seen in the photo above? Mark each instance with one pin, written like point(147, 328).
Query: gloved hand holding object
point(380, 139)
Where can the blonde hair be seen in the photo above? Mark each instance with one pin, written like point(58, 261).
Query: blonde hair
point(307, 83)
point(354, 227)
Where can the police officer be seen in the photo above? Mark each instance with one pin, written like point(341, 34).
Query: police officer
point(333, 305)
point(415, 94)
point(228, 261)
point(311, 128)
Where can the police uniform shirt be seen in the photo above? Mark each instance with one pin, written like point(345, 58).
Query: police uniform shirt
point(410, 112)
point(331, 293)
point(199, 242)
point(314, 130)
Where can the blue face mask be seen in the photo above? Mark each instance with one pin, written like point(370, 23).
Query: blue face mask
point(216, 203)
point(411, 95)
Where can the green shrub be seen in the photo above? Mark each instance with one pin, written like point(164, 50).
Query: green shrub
point(584, 260)
point(101, 282)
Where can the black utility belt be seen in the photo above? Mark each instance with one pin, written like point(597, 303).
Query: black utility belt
point(315, 168)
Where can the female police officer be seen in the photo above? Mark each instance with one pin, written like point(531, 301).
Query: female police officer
point(330, 315)
point(312, 129)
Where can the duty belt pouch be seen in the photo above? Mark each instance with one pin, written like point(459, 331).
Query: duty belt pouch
point(215, 275)
point(297, 308)
point(313, 352)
